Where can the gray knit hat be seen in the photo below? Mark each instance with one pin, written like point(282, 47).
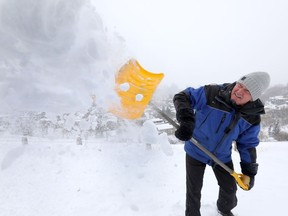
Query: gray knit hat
point(256, 83)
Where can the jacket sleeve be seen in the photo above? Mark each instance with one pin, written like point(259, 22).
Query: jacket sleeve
point(184, 111)
point(247, 143)
point(181, 101)
point(190, 98)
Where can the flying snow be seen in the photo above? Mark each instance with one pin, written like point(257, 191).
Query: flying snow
point(124, 87)
point(56, 55)
point(139, 97)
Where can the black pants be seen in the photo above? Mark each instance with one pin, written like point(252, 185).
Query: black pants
point(227, 199)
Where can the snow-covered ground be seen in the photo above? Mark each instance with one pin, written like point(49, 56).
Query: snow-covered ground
point(58, 177)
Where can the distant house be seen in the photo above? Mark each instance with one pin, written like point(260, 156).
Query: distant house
point(162, 126)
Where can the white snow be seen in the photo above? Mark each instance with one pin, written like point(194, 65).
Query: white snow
point(58, 177)
point(56, 55)
point(164, 144)
point(124, 87)
point(139, 97)
point(149, 132)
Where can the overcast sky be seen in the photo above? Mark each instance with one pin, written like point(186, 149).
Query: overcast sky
point(196, 42)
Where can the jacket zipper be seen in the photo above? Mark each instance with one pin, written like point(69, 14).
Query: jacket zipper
point(205, 119)
point(221, 122)
point(227, 131)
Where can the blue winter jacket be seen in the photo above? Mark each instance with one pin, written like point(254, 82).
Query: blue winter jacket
point(214, 126)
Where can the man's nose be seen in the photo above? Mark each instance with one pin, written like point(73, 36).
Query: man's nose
point(240, 92)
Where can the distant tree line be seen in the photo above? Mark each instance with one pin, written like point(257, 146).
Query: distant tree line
point(96, 122)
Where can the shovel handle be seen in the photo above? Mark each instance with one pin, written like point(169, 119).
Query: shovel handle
point(242, 180)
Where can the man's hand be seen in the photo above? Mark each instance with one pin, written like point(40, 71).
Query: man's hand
point(186, 119)
point(250, 169)
point(185, 131)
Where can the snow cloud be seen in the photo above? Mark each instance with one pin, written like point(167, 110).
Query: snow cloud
point(55, 55)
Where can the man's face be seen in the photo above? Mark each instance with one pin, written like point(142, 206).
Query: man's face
point(240, 94)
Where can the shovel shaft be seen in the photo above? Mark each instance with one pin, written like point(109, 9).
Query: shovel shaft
point(242, 180)
point(212, 156)
point(164, 115)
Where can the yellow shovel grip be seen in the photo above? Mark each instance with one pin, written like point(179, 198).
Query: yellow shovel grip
point(242, 180)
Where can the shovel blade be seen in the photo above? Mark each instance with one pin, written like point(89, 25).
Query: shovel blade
point(135, 87)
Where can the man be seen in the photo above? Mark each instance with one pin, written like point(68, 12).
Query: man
point(216, 116)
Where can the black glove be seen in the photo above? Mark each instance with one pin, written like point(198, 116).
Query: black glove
point(250, 169)
point(186, 119)
point(184, 132)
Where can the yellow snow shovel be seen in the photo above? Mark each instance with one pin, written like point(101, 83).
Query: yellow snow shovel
point(135, 87)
